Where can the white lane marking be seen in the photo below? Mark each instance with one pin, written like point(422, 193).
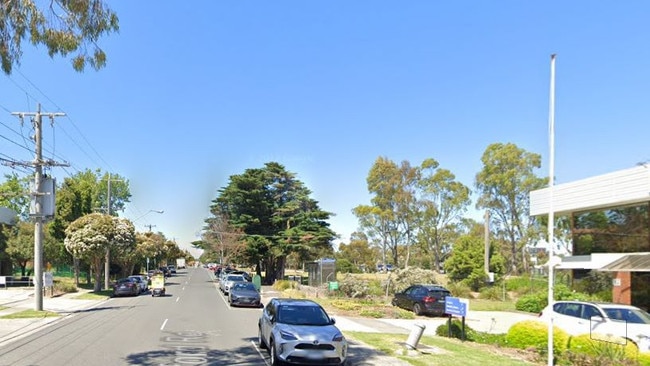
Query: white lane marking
point(259, 352)
point(163, 324)
point(183, 288)
point(178, 298)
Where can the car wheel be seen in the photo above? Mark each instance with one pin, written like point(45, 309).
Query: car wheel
point(417, 309)
point(394, 302)
point(275, 361)
point(260, 339)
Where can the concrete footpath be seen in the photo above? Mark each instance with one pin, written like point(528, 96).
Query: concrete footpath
point(13, 300)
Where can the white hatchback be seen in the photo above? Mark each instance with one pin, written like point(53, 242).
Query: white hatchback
point(583, 317)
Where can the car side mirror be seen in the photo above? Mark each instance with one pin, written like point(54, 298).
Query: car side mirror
point(272, 319)
point(332, 321)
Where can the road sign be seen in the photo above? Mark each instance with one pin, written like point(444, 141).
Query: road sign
point(456, 306)
point(48, 279)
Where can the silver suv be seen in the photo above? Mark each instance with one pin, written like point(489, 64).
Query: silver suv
point(299, 331)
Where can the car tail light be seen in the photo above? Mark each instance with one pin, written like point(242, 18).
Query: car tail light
point(428, 299)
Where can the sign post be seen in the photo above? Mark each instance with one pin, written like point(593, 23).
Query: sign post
point(458, 307)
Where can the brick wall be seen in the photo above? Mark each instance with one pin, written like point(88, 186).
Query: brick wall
point(622, 289)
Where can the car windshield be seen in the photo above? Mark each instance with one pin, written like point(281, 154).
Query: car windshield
point(136, 279)
point(235, 278)
point(124, 280)
point(636, 316)
point(302, 315)
point(245, 286)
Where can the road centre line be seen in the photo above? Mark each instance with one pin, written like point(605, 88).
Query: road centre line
point(178, 298)
point(163, 324)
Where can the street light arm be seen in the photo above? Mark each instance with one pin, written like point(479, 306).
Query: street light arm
point(148, 212)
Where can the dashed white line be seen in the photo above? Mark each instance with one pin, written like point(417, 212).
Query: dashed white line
point(178, 298)
point(163, 324)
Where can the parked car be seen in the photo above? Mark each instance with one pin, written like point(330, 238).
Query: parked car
point(228, 281)
point(142, 281)
point(172, 268)
point(165, 271)
point(583, 317)
point(244, 294)
point(299, 331)
point(126, 286)
point(422, 299)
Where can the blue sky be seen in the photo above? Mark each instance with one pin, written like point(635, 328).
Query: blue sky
point(196, 91)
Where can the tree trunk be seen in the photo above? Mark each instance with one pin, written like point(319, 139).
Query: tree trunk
point(76, 271)
point(97, 264)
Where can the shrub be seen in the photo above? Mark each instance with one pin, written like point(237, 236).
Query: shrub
point(534, 334)
point(456, 330)
point(403, 278)
point(603, 346)
point(281, 285)
point(492, 293)
point(371, 313)
point(65, 287)
point(400, 313)
point(533, 303)
point(459, 289)
point(354, 287)
point(644, 359)
point(346, 305)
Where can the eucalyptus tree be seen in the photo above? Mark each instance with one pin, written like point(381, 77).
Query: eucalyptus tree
point(91, 235)
point(87, 192)
point(504, 184)
point(381, 219)
point(62, 26)
point(274, 212)
point(443, 201)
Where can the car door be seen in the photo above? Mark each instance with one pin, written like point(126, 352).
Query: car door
point(402, 298)
point(268, 316)
point(569, 315)
point(412, 294)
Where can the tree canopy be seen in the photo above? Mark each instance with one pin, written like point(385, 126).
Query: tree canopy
point(62, 26)
point(91, 235)
point(504, 184)
point(276, 217)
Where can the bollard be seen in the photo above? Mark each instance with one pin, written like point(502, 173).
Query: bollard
point(414, 337)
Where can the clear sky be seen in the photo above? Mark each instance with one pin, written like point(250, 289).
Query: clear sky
point(197, 91)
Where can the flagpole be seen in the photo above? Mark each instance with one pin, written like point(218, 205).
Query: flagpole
point(551, 216)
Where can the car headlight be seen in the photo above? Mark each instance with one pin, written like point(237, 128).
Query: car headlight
point(338, 337)
point(287, 336)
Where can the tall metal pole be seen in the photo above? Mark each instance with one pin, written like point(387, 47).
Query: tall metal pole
point(107, 260)
point(486, 259)
point(551, 214)
point(38, 214)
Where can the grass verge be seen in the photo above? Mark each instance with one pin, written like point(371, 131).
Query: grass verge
point(30, 314)
point(441, 351)
point(101, 295)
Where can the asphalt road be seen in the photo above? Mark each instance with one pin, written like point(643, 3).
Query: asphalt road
point(192, 325)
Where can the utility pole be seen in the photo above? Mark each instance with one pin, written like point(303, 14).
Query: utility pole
point(37, 214)
point(486, 259)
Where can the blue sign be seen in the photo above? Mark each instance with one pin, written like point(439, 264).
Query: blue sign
point(454, 306)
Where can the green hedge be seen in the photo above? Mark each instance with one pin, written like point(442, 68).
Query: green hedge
point(534, 334)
